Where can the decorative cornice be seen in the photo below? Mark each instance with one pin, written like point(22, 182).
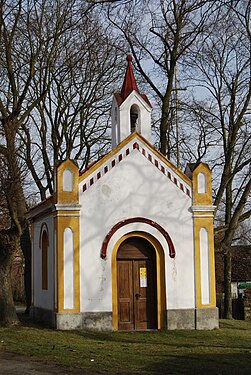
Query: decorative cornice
point(67, 207)
point(204, 216)
point(203, 208)
point(56, 214)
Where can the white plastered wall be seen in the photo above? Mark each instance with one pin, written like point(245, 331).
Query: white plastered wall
point(134, 188)
point(115, 123)
point(43, 298)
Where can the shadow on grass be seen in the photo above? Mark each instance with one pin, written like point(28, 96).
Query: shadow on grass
point(152, 352)
point(239, 363)
point(231, 323)
point(164, 336)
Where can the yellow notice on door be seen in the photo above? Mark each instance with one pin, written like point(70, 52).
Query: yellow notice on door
point(143, 277)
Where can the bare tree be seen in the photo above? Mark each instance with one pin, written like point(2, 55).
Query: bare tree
point(33, 34)
point(210, 42)
point(242, 235)
point(222, 68)
point(160, 34)
point(13, 94)
point(72, 119)
point(7, 249)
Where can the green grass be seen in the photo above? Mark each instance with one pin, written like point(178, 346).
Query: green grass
point(227, 350)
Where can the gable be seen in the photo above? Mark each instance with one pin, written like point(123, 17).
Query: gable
point(135, 144)
point(131, 98)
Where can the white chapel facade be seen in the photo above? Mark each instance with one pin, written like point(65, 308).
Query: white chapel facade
point(127, 244)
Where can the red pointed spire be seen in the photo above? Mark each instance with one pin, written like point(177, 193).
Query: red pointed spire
point(129, 82)
point(129, 85)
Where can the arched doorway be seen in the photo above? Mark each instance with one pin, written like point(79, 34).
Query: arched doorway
point(136, 285)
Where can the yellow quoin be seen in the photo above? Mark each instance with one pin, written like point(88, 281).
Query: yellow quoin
point(203, 216)
point(66, 215)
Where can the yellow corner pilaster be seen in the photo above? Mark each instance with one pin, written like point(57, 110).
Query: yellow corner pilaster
point(203, 217)
point(67, 215)
point(63, 222)
point(207, 223)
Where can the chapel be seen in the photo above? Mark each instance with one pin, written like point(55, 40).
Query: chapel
point(128, 243)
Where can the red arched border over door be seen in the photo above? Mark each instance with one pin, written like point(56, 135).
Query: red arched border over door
point(137, 220)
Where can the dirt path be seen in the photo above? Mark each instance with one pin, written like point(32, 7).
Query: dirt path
point(11, 363)
point(16, 364)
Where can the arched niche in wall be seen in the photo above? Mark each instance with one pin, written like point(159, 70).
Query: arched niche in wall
point(204, 267)
point(67, 180)
point(202, 183)
point(134, 118)
point(68, 268)
point(44, 245)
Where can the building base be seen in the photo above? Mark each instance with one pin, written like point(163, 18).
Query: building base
point(200, 319)
point(98, 321)
point(180, 319)
point(187, 319)
point(207, 318)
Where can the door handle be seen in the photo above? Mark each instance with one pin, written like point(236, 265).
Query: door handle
point(137, 295)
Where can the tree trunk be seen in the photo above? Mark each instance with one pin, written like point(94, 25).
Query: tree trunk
point(10, 238)
point(227, 282)
point(226, 245)
point(8, 242)
point(165, 125)
point(166, 103)
point(26, 249)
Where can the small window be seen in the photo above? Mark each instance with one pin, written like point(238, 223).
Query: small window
point(45, 243)
point(134, 118)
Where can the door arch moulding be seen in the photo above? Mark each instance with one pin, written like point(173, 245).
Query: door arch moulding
point(122, 223)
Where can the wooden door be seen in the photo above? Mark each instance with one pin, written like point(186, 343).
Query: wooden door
point(136, 272)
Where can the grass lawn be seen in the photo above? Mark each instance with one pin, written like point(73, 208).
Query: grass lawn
point(223, 351)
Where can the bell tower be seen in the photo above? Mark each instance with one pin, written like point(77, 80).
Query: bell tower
point(131, 110)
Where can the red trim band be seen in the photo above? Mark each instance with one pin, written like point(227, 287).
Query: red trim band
point(137, 220)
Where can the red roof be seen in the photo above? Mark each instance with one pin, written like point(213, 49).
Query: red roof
point(48, 199)
point(129, 85)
